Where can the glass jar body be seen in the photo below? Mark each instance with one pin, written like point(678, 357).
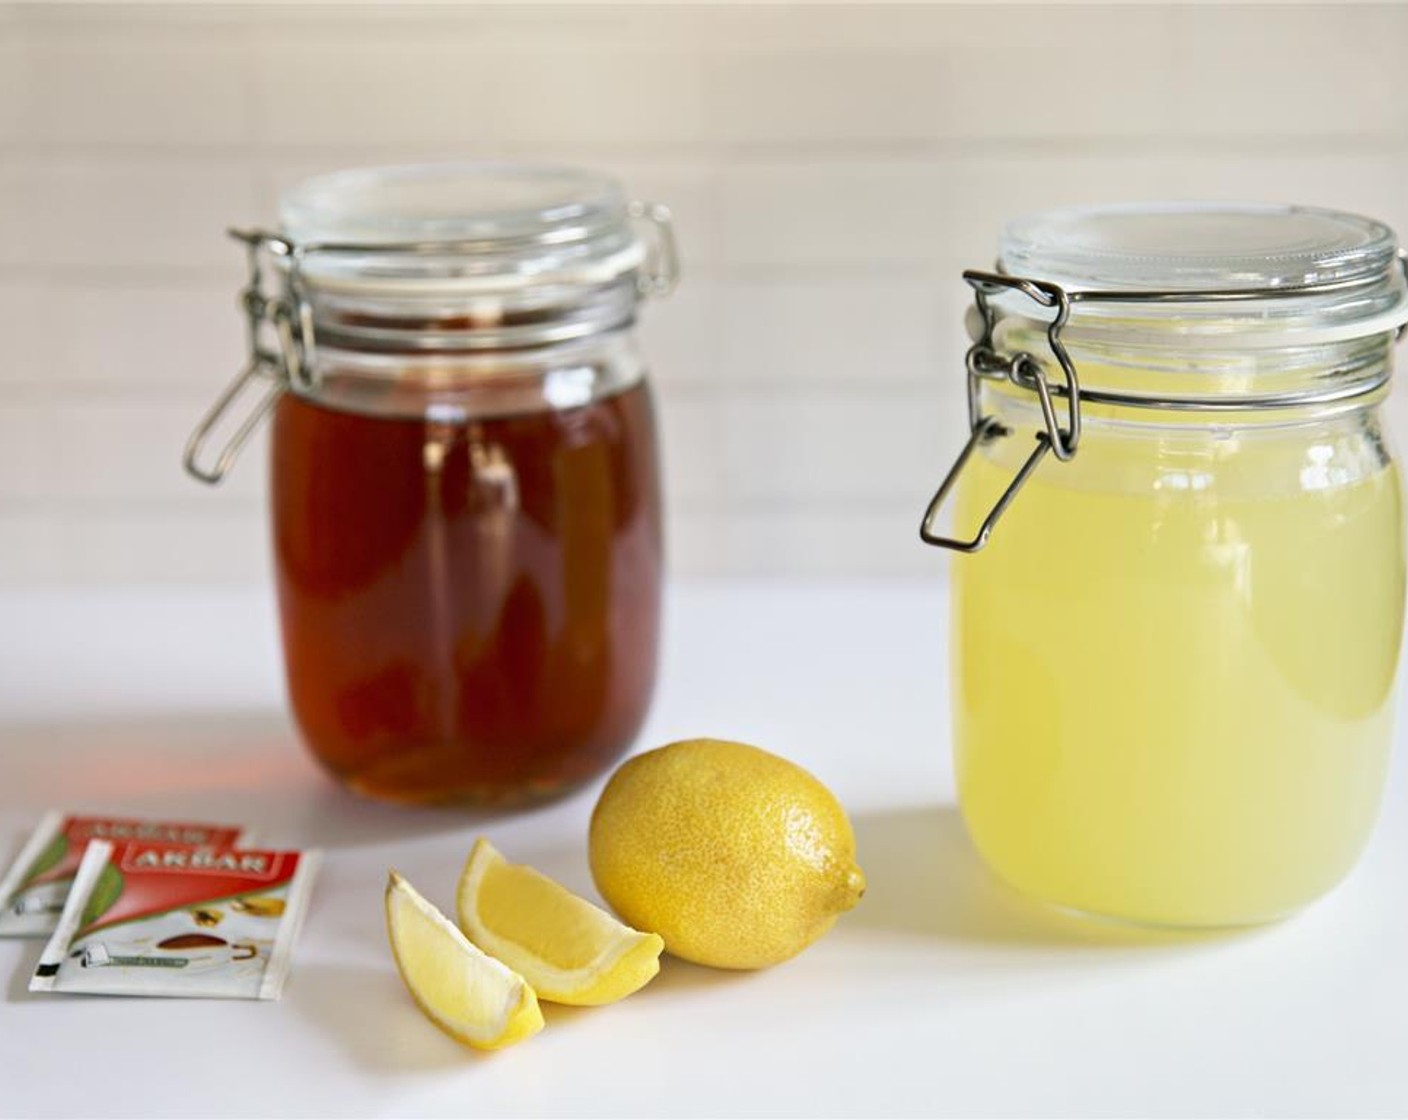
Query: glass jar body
point(1175, 660)
point(470, 597)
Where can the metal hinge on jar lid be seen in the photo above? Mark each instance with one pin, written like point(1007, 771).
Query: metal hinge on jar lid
point(983, 361)
point(270, 365)
point(283, 342)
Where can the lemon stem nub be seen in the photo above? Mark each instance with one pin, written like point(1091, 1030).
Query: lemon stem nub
point(855, 888)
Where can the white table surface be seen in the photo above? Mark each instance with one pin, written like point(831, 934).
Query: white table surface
point(942, 993)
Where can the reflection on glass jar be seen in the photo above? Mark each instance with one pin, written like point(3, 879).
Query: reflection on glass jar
point(1175, 657)
point(465, 494)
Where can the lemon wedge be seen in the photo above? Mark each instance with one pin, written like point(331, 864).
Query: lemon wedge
point(568, 949)
point(473, 998)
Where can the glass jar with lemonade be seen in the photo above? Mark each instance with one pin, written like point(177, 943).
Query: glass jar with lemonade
point(1175, 651)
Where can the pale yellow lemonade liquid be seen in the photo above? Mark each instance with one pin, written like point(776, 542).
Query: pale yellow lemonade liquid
point(1175, 664)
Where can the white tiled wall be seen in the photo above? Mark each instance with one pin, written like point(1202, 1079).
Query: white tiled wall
point(831, 168)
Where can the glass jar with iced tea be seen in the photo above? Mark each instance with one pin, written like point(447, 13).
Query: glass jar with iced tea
point(1175, 652)
point(464, 477)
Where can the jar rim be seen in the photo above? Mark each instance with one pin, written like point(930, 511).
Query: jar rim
point(467, 201)
point(1197, 246)
point(457, 229)
point(1192, 275)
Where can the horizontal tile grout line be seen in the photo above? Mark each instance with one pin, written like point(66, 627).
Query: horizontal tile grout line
point(810, 510)
point(204, 384)
point(233, 504)
point(750, 154)
point(180, 276)
point(919, 268)
point(52, 509)
point(199, 391)
point(241, 506)
point(917, 265)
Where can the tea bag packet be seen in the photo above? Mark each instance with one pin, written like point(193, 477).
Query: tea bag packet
point(33, 890)
point(159, 919)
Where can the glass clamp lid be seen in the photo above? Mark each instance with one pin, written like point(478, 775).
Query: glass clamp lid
point(437, 259)
point(468, 229)
point(1191, 279)
point(1197, 249)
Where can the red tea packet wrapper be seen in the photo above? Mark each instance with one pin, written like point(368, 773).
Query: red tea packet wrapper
point(154, 919)
point(33, 891)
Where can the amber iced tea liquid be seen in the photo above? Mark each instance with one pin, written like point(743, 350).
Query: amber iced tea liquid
point(470, 610)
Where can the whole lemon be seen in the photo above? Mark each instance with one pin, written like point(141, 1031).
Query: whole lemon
point(736, 857)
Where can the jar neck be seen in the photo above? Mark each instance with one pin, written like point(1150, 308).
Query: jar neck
point(1169, 384)
point(475, 384)
point(399, 320)
point(397, 351)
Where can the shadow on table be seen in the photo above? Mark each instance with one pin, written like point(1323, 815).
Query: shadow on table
point(367, 1012)
point(245, 768)
point(677, 975)
point(394, 1036)
point(924, 877)
point(17, 991)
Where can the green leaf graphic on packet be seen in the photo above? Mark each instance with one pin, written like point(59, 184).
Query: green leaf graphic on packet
point(159, 919)
point(33, 890)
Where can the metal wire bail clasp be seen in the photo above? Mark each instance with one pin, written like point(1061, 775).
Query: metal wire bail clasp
point(983, 361)
point(275, 364)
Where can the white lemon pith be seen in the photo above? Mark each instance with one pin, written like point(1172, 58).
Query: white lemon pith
point(569, 950)
point(470, 996)
point(736, 857)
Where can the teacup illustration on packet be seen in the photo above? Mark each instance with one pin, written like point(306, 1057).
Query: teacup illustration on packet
point(188, 939)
